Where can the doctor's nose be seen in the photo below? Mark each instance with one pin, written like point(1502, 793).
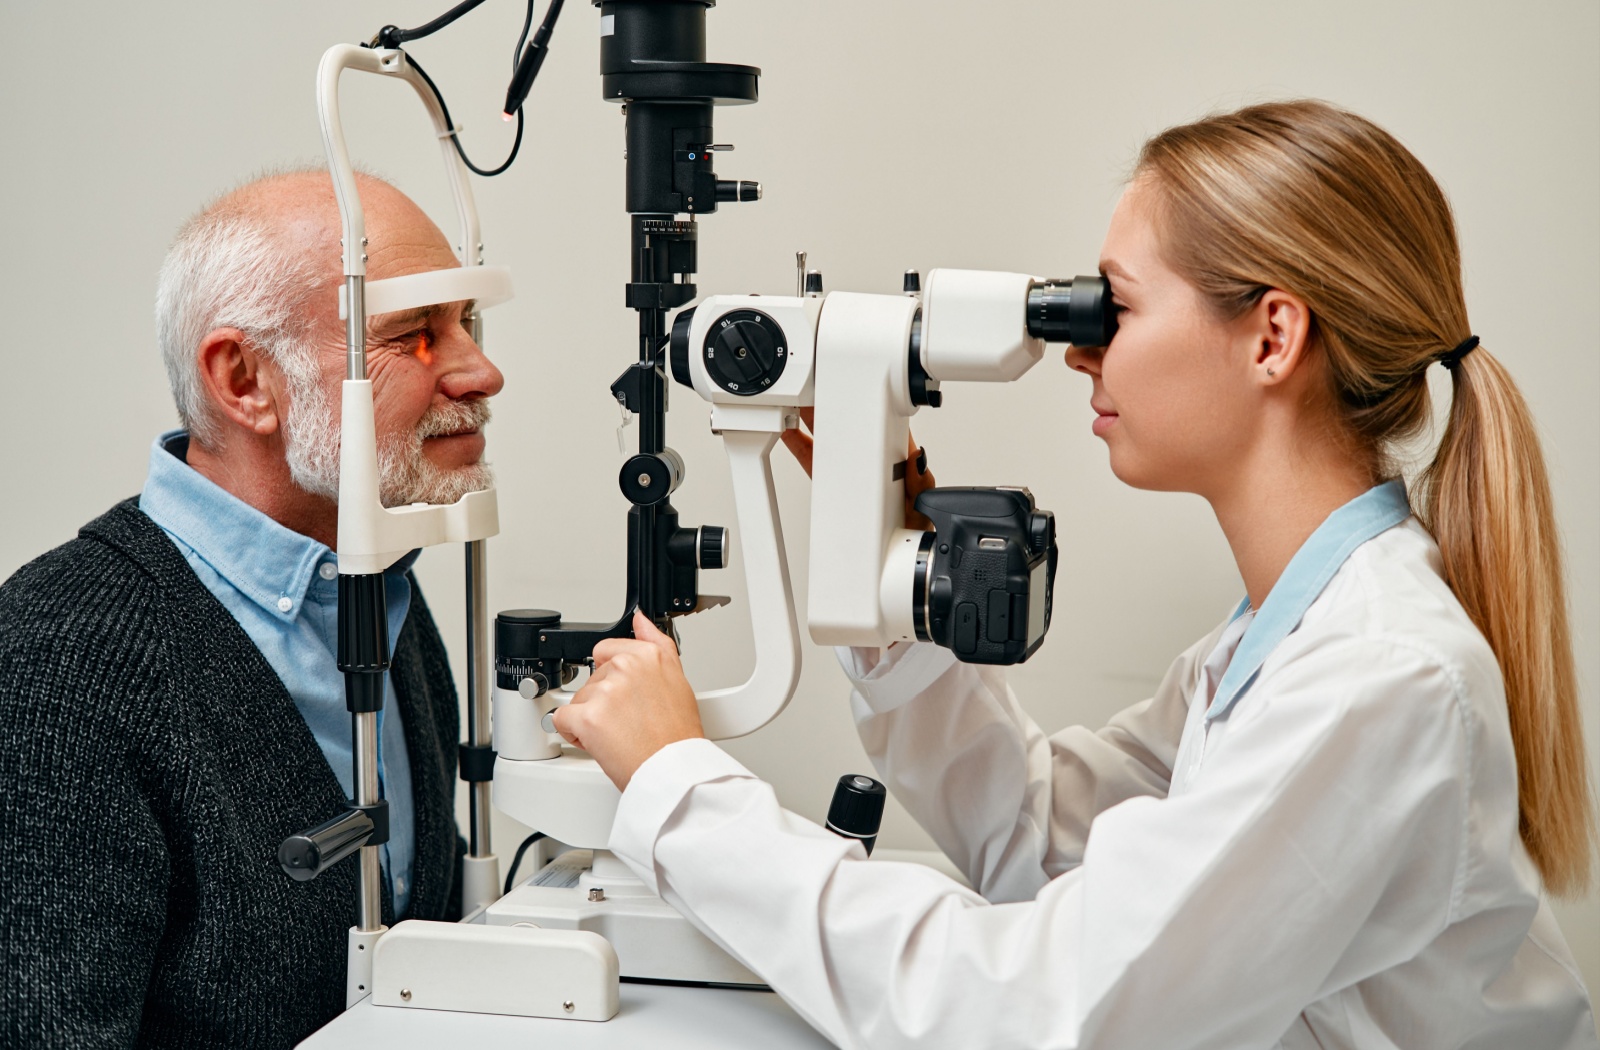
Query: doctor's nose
point(1085, 359)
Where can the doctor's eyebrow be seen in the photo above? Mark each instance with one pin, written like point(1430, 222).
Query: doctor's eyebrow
point(1112, 268)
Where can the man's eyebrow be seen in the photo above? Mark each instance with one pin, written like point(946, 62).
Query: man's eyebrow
point(404, 319)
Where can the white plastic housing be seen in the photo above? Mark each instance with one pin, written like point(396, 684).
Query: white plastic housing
point(568, 797)
point(518, 970)
point(797, 318)
point(652, 940)
point(863, 407)
point(975, 328)
point(517, 732)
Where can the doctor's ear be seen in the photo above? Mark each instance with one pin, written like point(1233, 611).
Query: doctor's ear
point(1280, 332)
point(239, 381)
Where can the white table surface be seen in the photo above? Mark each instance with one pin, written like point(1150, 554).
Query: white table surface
point(661, 1017)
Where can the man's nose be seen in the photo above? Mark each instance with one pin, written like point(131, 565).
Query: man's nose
point(1085, 359)
point(468, 372)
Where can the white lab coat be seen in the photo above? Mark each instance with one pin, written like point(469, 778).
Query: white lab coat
point(1333, 862)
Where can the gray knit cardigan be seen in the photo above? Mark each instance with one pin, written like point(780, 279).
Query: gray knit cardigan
point(150, 763)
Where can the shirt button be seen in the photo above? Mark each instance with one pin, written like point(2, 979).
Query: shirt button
point(328, 570)
point(285, 604)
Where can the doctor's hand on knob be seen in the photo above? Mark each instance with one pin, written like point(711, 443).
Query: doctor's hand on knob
point(918, 477)
point(635, 703)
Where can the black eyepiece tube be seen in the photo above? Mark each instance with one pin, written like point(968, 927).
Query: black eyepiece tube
point(1078, 311)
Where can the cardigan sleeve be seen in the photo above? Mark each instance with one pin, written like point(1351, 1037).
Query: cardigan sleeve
point(84, 864)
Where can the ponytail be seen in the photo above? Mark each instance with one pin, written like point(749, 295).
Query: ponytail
point(1486, 499)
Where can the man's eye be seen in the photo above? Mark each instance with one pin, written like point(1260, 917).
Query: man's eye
point(419, 343)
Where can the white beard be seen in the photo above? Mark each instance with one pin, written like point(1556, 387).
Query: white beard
point(405, 475)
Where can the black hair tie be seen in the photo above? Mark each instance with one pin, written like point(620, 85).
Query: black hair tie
point(1451, 358)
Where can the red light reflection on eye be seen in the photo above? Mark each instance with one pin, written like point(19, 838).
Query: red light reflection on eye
point(425, 348)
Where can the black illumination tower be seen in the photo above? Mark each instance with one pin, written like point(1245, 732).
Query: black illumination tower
point(653, 62)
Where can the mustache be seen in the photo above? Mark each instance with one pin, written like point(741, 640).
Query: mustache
point(453, 417)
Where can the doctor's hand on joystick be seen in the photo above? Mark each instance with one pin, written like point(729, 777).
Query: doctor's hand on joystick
point(635, 703)
point(918, 477)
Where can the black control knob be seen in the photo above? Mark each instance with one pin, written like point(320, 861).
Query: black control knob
point(1041, 531)
point(648, 479)
point(745, 352)
point(713, 547)
point(813, 282)
point(678, 354)
point(732, 190)
point(857, 809)
point(912, 284)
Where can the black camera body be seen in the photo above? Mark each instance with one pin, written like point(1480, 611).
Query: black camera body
point(985, 574)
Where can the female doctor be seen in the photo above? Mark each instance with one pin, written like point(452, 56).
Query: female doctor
point(1333, 823)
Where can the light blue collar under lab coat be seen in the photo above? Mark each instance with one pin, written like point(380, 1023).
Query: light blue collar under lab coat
point(1314, 564)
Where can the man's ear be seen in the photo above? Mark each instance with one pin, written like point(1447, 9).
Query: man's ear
point(1281, 331)
point(238, 381)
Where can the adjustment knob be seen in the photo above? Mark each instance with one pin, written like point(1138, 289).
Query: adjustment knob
point(733, 190)
point(713, 547)
point(678, 354)
point(857, 809)
point(1041, 531)
point(648, 479)
point(912, 284)
point(745, 352)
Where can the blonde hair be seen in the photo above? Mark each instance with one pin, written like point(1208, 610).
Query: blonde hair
point(1311, 199)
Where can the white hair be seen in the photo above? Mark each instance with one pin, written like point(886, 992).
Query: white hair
point(227, 269)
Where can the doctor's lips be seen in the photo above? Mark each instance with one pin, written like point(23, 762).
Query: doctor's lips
point(1103, 418)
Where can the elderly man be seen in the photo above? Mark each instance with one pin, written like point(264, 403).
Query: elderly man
point(170, 708)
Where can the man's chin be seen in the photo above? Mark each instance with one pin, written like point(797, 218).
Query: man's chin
point(432, 484)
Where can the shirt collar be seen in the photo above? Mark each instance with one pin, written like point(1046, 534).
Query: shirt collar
point(268, 563)
point(1304, 579)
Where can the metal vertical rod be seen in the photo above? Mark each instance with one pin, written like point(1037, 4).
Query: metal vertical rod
point(478, 723)
point(364, 759)
point(355, 326)
point(363, 725)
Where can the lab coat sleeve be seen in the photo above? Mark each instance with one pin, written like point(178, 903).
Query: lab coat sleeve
point(1009, 806)
point(1324, 842)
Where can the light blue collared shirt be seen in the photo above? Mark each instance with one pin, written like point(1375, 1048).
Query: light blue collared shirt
point(1379, 509)
point(283, 588)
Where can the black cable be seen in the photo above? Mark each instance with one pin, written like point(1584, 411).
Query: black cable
point(392, 36)
point(524, 66)
point(512, 874)
point(455, 138)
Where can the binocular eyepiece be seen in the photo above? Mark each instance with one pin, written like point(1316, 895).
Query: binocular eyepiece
point(1076, 311)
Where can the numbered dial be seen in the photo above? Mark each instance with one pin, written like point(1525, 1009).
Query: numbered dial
point(745, 352)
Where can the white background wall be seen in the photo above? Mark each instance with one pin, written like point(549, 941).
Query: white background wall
point(889, 135)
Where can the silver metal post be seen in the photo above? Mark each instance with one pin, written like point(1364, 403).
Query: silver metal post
point(364, 760)
point(355, 326)
point(799, 274)
point(478, 723)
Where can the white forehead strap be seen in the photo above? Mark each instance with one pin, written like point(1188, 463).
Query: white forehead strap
point(489, 285)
